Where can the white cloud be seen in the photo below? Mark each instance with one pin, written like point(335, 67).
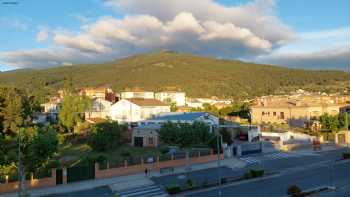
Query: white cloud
point(330, 58)
point(42, 35)
point(80, 42)
point(326, 49)
point(248, 31)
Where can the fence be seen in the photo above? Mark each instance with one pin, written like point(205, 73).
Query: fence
point(158, 163)
point(32, 183)
point(110, 169)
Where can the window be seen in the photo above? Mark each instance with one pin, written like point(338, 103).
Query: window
point(281, 115)
point(150, 141)
point(263, 113)
point(274, 113)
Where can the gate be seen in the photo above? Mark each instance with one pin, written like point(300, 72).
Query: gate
point(59, 176)
point(80, 173)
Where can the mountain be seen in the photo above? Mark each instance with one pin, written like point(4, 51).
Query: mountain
point(196, 75)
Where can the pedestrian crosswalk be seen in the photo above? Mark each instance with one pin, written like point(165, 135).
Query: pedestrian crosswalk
point(250, 160)
point(272, 156)
point(144, 191)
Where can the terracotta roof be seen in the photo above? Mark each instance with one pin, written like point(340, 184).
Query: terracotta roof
point(146, 102)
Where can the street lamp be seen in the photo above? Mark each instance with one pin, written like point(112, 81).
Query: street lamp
point(218, 141)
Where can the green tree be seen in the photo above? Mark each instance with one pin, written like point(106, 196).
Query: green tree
point(73, 108)
point(185, 135)
point(329, 123)
point(12, 110)
point(37, 146)
point(106, 135)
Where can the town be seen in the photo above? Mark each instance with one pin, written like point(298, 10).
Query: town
point(154, 138)
point(174, 98)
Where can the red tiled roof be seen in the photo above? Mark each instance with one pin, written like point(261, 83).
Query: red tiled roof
point(146, 102)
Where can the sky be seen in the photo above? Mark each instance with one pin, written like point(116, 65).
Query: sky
point(310, 34)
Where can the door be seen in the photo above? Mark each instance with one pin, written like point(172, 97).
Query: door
point(138, 141)
point(341, 138)
point(80, 173)
point(59, 176)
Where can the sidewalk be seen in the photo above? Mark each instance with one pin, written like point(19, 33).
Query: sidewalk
point(124, 182)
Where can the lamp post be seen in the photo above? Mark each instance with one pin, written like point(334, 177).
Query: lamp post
point(218, 141)
point(21, 182)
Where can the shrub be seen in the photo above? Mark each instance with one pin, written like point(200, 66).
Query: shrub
point(105, 136)
point(164, 150)
point(254, 173)
point(173, 189)
point(346, 155)
point(190, 183)
point(125, 153)
point(294, 191)
point(247, 175)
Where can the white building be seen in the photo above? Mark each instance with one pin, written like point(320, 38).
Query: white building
point(137, 94)
point(179, 98)
point(147, 133)
point(136, 109)
point(183, 117)
point(194, 103)
point(100, 109)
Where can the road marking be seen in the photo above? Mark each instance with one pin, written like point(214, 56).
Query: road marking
point(145, 191)
point(250, 160)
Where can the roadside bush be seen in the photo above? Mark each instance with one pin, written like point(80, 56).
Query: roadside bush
point(254, 173)
point(346, 155)
point(125, 153)
point(164, 150)
point(190, 183)
point(294, 191)
point(173, 189)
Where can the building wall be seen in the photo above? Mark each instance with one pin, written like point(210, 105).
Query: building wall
point(125, 111)
point(145, 95)
point(146, 134)
point(176, 97)
point(291, 115)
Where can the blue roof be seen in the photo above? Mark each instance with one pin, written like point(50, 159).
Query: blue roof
point(180, 116)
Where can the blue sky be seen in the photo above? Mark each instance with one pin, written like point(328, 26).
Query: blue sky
point(313, 27)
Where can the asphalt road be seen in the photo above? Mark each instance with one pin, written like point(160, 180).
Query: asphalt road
point(104, 191)
point(338, 176)
point(306, 171)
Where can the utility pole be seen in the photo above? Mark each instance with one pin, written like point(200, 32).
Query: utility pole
point(21, 172)
point(346, 120)
point(218, 141)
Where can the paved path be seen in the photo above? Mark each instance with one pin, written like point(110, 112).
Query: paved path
point(144, 191)
point(277, 186)
point(273, 156)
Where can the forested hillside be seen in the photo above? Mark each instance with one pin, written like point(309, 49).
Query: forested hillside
point(196, 75)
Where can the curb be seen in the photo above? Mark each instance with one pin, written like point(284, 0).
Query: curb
point(233, 184)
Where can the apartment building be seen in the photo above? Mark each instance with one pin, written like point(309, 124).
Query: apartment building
point(296, 111)
point(179, 98)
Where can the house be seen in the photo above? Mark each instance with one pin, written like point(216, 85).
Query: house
point(101, 92)
point(137, 94)
point(179, 98)
point(100, 109)
point(49, 111)
point(343, 138)
point(147, 133)
point(136, 109)
point(194, 103)
point(295, 111)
